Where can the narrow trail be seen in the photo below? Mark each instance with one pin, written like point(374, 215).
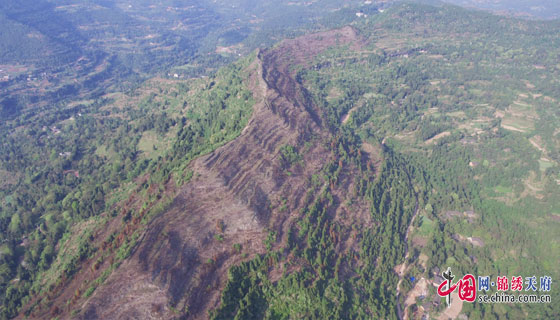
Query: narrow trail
point(403, 266)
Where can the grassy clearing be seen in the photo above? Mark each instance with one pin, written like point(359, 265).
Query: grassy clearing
point(153, 145)
point(457, 114)
point(503, 189)
point(334, 93)
point(545, 164)
point(533, 186)
point(426, 226)
point(517, 124)
point(520, 117)
point(104, 152)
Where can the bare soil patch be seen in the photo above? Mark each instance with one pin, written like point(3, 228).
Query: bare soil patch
point(437, 137)
point(454, 309)
point(419, 290)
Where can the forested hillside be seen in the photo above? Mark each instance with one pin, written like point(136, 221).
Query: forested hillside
point(466, 106)
point(313, 179)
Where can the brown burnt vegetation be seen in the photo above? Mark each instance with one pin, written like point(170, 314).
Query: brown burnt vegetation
point(222, 216)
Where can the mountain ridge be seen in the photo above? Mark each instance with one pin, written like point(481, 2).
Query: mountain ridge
point(240, 185)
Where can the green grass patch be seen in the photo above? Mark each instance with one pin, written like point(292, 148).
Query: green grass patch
point(426, 226)
point(543, 164)
point(503, 189)
point(154, 145)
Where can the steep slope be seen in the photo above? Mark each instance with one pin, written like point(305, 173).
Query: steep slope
point(238, 196)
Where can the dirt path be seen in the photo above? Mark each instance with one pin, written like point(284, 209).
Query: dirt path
point(536, 145)
point(437, 137)
point(346, 117)
point(420, 289)
point(505, 126)
point(403, 266)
